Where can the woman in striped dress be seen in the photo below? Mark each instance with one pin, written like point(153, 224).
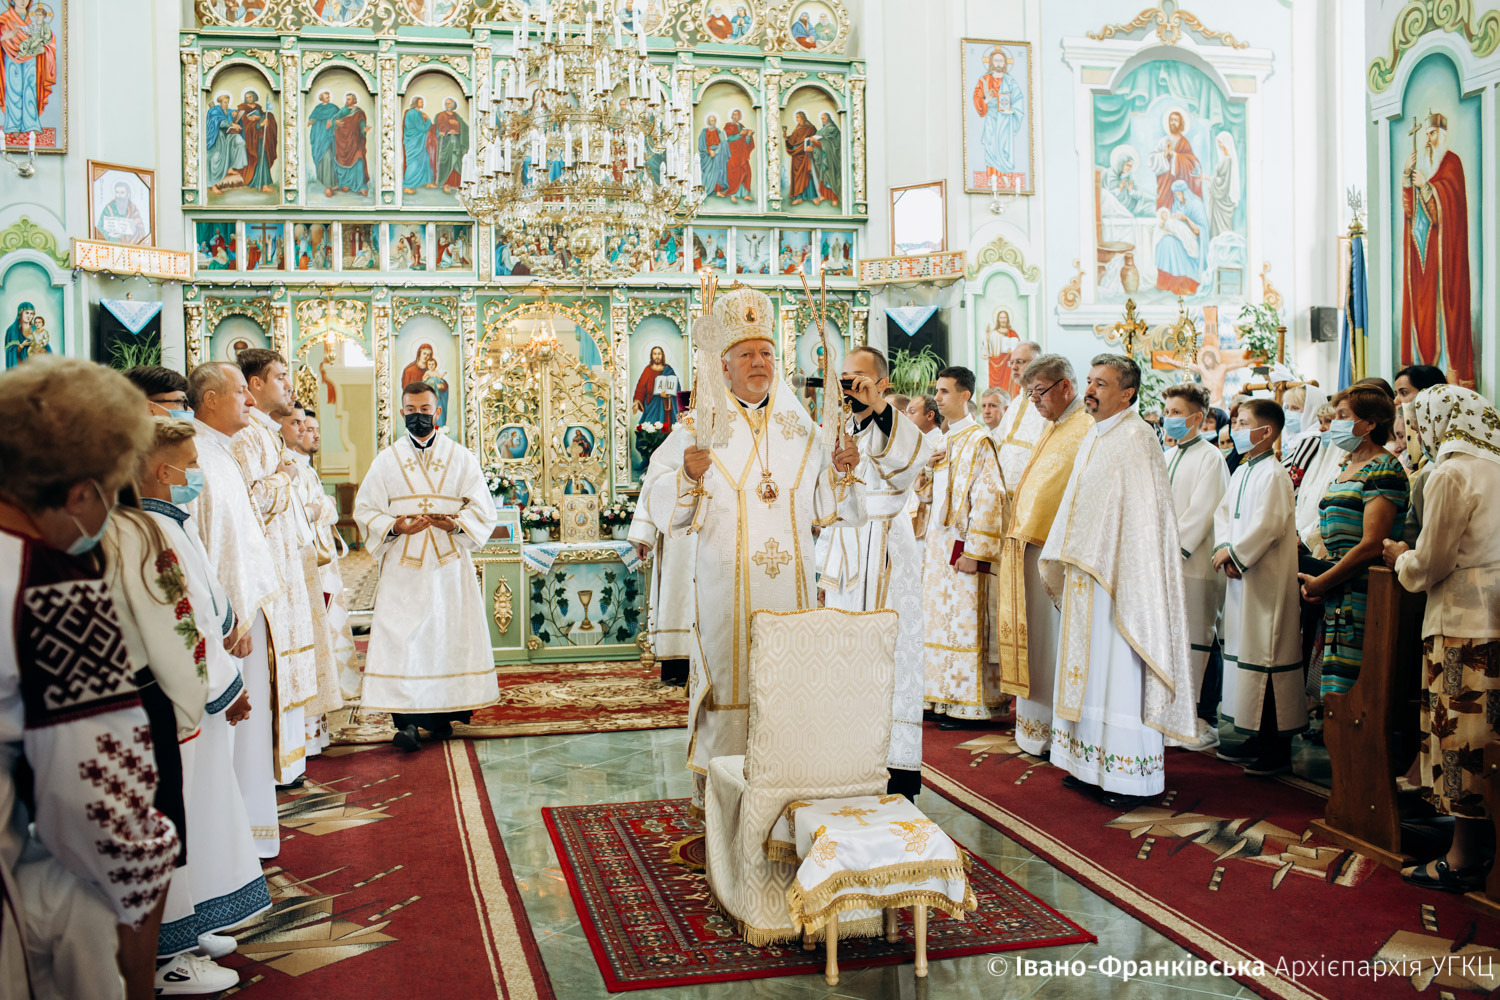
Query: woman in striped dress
point(1362, 507)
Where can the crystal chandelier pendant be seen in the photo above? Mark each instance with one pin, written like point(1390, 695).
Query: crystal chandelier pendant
point(585, 158)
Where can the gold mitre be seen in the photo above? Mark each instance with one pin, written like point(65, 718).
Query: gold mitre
point(1436, 119)
point(746, 315)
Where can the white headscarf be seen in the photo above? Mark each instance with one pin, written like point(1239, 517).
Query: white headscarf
point(1450, 420)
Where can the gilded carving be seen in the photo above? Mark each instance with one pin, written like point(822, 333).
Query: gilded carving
point(388, 102)
point(1169, 21)
point(1002, 251)
point(23, 234)
point(256, 310)
point(791, 79)
point(1269, 295)
point(619, 312)
point(505, 605)
point(750, 76)
point(834, 80)
point(773, 149)
point(319, 320)
point(404, 307)
point(281, 328)
point(267, 58)
point(468, 347)
point(1421, 16)
point(211, 59)
point(1072, 294)
point(674, 309)
point(861, 326)
point(191, 140)
point(291, 106)
point(857, 143)
point(193, 334)
point(783, 40)
point(382, 352)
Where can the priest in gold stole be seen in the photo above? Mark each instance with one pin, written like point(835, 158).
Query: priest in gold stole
point(1124, 687)
point(1025, 618)
point(963, 523)
point(752, 505)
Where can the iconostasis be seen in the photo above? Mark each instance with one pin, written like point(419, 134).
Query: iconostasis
point(323, 153)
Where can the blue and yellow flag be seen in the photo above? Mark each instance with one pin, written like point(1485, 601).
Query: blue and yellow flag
point(1352, 352)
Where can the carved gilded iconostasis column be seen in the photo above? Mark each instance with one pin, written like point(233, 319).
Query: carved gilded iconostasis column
point(291, 99)
point(468, 347)
point(381, 312)
point(281, 326)
point(860, 332)
point(619, 328)
point(773, 142)
point(192, 141)
point(858, 161)
point(389, 102)
point(193, 334)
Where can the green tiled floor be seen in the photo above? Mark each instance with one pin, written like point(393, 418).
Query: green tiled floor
point(525, 774)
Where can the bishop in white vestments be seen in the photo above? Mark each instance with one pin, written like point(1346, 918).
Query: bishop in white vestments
point(879, 565)
point(1199, 477)
point(425, 507)
point(752, 504)
point(963, 526)
point(235, 540)
point(1124, 686)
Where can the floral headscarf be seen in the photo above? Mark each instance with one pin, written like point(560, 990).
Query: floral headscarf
point(1448, 420)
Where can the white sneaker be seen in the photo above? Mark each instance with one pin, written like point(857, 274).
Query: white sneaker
point(1208, 737)
point(191, 974)
point(217, 945)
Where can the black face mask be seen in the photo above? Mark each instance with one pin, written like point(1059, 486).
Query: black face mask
point(419, 425)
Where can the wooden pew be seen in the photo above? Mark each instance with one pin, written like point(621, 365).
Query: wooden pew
point(1358, 725)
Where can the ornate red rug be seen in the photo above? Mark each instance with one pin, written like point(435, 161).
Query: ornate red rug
point(542, 699)
point(391, 881)
point(644, 904)
point(1227, 866)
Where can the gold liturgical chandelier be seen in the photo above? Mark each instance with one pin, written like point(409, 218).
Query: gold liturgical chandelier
point(586, 160)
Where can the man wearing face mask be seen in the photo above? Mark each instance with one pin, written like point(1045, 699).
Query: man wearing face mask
point(222, 884)
point(425, 507)
point(166, 391)
point(1199, 478)
point(234, 537)
point(307, 680)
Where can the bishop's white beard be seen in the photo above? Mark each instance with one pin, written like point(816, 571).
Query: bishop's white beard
point(1430, 159)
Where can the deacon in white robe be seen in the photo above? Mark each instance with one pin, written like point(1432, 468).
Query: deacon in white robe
point(1199, 477)
point(752, 504)
point(1256, 533)
point(1124, 685)
point(234, 537)
point(879, 565)
point(1025, 619)
point(299, 645)
point(962, 527)
point(671, 614)
point(425, 507)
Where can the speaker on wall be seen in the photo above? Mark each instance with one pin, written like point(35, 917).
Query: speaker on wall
point(1325, 324)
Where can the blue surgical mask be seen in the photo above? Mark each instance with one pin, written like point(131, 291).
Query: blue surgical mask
point(184, 495)
point(1175, 427)
point(173, 414)
point(1293, 422)
point(1241, 439)
point(1341, 435)
point(85, 541)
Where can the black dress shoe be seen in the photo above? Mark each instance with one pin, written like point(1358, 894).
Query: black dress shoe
point(442, 732)
point(407, 739)
point(1078, 784)
point(1447, 879)
point(945, 722)
point(1121, 801)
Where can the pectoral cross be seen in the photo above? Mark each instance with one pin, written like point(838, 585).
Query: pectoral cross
point(1281, 386)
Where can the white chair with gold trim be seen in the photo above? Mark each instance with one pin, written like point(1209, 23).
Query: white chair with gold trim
point(821, 684)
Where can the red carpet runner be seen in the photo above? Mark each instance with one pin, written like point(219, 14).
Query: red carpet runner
point(1227, 866)
point(650, 922)
point(391, 882)
point(539, 699)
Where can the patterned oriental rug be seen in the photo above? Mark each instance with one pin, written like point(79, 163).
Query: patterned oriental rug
point(391, 881)
point(541, 699)
point(1228, 867)
point(635, 873)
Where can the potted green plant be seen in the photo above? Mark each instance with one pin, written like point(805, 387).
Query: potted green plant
point(1258, 326)
point(912, 374)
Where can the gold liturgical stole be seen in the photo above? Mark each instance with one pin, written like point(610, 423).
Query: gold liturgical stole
point(1038, 496)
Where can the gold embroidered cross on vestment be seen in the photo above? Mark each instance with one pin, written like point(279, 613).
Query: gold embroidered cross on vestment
point(772, 558)
point(791, 425)
point(854, 813)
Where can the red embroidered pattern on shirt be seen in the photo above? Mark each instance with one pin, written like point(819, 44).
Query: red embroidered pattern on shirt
point(140, 839)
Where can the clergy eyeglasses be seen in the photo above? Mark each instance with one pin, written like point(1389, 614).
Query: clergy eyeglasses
point(1036, 396)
